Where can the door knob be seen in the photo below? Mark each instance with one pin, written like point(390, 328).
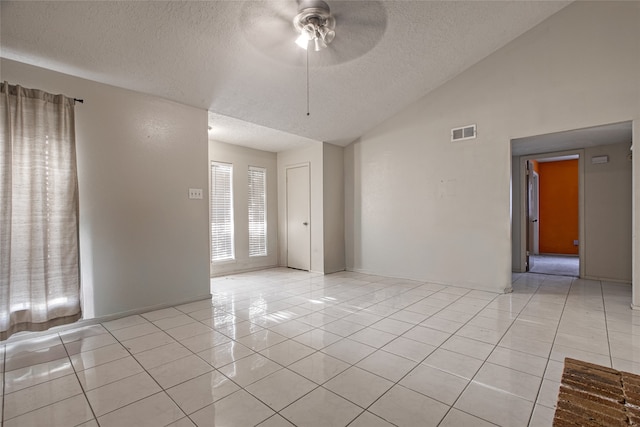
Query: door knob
point(305, 223)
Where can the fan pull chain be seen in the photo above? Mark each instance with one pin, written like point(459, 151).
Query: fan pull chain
point(307, 82)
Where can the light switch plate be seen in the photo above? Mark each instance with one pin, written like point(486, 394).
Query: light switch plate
point(195, 193)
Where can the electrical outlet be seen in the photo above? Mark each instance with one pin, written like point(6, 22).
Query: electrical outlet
point(195, 193)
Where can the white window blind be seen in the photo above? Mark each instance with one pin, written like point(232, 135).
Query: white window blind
point(221, 211)
point(257, 211)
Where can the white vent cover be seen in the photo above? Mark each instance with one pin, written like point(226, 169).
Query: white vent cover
point(464, 132)
point(598, 160)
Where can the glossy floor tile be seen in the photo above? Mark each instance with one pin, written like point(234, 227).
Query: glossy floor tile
point(282, 347)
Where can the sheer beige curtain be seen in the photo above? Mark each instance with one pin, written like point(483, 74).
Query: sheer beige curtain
point(39, 267)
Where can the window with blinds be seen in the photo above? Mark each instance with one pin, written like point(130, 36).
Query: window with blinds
point(221, 211)
point(257, 211)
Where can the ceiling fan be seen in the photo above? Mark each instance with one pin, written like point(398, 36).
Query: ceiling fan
point(337, 31)
point(315, 24)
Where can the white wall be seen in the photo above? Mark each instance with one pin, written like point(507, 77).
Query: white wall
point(142, 242)
point(607, 216)
point(313, 156)
point(242, 158)
point(333, 170)
point(516, 211)
point(428, 209)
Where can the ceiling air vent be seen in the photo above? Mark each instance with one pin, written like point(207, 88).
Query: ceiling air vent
point(462, 133)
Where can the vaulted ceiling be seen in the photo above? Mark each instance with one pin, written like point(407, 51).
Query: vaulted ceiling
point(238, 59)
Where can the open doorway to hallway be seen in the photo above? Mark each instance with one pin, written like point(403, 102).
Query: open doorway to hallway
point(553, 215)
point(604, 201)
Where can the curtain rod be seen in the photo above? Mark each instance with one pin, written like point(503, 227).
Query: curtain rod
point(81, 101)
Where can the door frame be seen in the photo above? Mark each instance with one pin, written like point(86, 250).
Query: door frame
point(286, 210)
point(523, 203)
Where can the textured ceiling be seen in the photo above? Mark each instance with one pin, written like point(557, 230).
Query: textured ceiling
point(238, 60)
point(239, 132)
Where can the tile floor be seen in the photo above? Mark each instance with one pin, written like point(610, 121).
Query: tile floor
point(283, 347)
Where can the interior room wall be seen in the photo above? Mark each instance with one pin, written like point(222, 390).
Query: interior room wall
point(608, 214)
point(313, 156)
point(143, 243)
point(429, 209)
point(242, 158)
point(333, 175)
point(558, 207)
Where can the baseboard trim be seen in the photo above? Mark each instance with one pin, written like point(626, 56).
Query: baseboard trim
point(360, 271)
point(244, 270)
point(604, 279)
point(25, 335)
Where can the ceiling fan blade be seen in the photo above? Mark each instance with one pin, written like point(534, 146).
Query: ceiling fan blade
point(256, 11)
point(268, 26)
point(359, 27)
point(358, 13)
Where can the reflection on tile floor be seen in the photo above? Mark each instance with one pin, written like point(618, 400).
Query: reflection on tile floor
point(282, 347)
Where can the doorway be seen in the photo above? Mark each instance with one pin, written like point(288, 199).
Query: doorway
point(604, 200)
point(298, 218)
point(552, 213)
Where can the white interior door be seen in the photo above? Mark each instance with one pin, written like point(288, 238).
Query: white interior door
point(529, 216)
point(298, 219)
point(536, 213)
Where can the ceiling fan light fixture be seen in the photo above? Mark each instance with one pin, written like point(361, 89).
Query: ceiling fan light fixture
point(319, 44)
point(327, 34)
point(303, 40)
point(307, 33)
point(315, 22)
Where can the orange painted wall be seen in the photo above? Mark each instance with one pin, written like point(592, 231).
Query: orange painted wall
point(558, 207)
